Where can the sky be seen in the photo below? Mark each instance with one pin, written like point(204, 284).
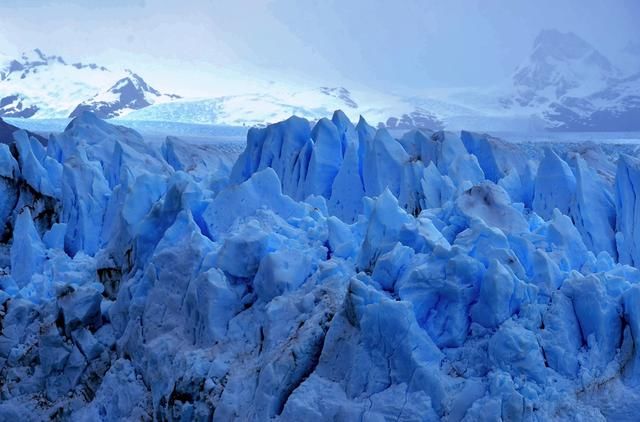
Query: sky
point(213, 47)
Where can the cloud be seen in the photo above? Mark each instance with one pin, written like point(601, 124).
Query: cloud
point(61, 4)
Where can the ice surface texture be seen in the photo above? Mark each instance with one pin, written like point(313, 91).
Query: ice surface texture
point(334, 273)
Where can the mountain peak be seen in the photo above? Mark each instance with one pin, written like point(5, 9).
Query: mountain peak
point(127, 94)
point(133, 82)
point(340, 93)
point(554, 43)
point(561, 63)
point(37, 57)
point(35, 60)
point(43, 85)
point(575, 87)
point(557, 45)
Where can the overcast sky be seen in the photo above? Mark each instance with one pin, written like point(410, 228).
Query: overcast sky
point(197, 47)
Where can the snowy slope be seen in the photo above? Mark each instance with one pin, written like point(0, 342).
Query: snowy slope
point(561, 64)
point(127, 94)
point(331, 273)
point(51, 85)
point(616, 107)
point(572, 86)
point(46, 86)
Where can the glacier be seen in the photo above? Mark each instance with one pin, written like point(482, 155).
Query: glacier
point(329, 272)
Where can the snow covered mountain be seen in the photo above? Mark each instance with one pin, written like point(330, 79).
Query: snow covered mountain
point(564, 84)
point(42, 86)
point(572, 86)
point(561, 64)
point(614, 108)
point(46, 86)
point(128, 94)
point(332, 273)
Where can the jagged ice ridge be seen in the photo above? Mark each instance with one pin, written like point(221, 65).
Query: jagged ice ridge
point(333, 273)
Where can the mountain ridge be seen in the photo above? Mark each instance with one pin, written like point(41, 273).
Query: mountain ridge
point(48, 86)
point(127, 94)
point(565, 84)
point(573, 86)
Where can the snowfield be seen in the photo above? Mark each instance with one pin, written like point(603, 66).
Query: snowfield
point(317, 272)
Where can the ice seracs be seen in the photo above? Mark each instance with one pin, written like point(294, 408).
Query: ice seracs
point(333, 273)
point(626, 215)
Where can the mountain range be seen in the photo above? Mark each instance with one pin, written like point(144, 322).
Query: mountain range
point(38, 85)
point(564, 84)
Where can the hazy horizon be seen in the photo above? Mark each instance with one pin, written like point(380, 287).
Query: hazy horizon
point(213, 47)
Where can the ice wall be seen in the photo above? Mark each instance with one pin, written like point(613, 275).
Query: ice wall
point(336, 273)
